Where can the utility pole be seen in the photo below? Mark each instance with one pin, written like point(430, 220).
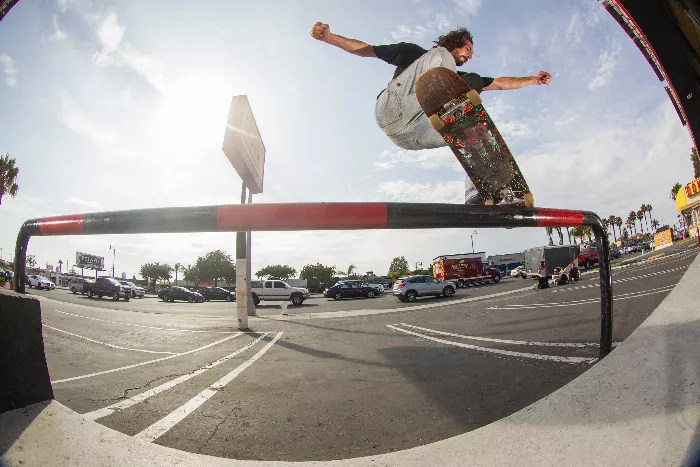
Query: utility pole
point(473, 233)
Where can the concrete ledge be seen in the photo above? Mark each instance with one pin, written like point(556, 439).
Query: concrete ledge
point(24, 376)
point(639, 406)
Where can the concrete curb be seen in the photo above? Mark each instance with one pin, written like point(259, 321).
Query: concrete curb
point(638, 406)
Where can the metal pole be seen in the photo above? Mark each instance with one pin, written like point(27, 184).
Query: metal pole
point(606, 312)
point(241, 268)
point(248, 273)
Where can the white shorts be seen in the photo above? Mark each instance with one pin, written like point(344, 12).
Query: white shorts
point(397, 111)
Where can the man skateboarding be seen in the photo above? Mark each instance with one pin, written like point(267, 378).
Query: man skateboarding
point(397, 111)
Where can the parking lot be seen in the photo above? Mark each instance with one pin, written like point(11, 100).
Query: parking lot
point(334, 379)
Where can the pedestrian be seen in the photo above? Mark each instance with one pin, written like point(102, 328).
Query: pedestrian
point(542, 275)
point(396, 110)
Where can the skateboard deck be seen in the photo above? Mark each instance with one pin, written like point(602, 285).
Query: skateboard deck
point(455, 111)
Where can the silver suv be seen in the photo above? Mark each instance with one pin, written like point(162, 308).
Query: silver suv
point(411, 287)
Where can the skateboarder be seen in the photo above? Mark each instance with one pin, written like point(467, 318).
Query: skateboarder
point(396, 111)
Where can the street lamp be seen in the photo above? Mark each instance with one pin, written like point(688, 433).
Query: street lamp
point(114, 256)
point(473, 233)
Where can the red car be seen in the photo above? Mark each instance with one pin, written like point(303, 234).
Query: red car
point(587, 257)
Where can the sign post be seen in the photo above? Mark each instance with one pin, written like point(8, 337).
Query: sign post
point(245, 150)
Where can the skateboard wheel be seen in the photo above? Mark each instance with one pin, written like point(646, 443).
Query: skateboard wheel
point(474, 97)
point(436, 122)
point(529, 199)
point(489, 202)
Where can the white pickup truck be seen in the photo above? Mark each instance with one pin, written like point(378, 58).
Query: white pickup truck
point(274, 290)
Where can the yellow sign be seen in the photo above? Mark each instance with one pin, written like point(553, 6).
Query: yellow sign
point(692, 188)
point(663, 238)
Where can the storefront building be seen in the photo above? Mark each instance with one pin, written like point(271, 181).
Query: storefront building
point(688, 205)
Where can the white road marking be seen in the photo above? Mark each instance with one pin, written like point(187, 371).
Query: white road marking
point(141, 325)
point(125, 404)
point(510, 353)
point(163, 425)
point(90, 375)
point(505, 341)
point(104, 343)
point(586, 301)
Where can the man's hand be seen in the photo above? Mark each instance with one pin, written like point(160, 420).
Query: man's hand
point(321, 32)
point(543, 78)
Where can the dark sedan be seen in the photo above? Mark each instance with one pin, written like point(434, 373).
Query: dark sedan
point(349, 290)
point(217, 293)
point(180, 293)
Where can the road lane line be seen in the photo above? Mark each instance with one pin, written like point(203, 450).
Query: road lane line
point(125, 404)
point(164, 425)
point(505, 341)
point(104, 343)
point(114, 370)
point(141, 325)
point(578, 302)
point(509, 353)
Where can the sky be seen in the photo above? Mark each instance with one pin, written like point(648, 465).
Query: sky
point(115, 105)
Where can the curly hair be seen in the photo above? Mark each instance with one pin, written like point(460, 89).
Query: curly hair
point(455, 39)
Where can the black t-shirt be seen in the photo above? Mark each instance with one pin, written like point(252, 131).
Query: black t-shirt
point(401, 55)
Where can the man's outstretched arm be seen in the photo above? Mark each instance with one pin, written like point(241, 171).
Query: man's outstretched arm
point(322, 32)
point(506, 83)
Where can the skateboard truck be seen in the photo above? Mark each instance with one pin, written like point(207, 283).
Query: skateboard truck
point(454, 109)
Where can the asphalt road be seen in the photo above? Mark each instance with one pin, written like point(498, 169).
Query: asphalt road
point(333, 379)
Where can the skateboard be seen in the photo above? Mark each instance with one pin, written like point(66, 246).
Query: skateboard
point(455, 111)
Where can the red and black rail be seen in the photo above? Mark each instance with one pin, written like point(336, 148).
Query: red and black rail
point(321, 216)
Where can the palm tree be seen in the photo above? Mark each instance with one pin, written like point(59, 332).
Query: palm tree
point(618, 223)
point(8, 177)
point(568, 233)
point(561, 235)
point(351, 268)
point(648, 208)
point(177, 268)
point(588, 232)
point(631, 217)
point(655, 224)
point(675, 189)
point(60, 263)
point(640, 215)
point(549, 231)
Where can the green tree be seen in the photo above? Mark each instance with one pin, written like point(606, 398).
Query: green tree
point(674, 191)
point(561, 235)
point(618, 223)
point(625, 235)
point(549, 231)
point(31, 261)
point(398, 268)
point(215, 266)
point(177, 268)
point(165, 271)
point(8, 177)
point(631, 218)
point(191, 274)
point(317, 276)
point(60, 265)
point(568, 233)
point(648, 209)
point(278, 271)
point(149, 271)
point(588, 233)
point(696, 162)
point(655, 224)
point(640, 216)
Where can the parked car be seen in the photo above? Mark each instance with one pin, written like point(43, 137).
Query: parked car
point(277, 290)
point(411, 287)
point(180, 293)
point(107, 287)
point(217, 293)
point(136, 291)
point(350, 289)
point(520, 271)
point(39, 282)
point(614, 253)
point(588, 257)
point(76, 284)
point(377, 286)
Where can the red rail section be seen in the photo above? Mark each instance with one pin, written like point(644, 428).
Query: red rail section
point(322, 216)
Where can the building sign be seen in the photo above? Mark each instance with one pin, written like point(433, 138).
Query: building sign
point(663, 239)
point(84, 260)
point(692, 188)
point(243, 144)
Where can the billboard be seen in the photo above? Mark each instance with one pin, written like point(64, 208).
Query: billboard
point(84, 260)
point(243, 144)
point(663, 239)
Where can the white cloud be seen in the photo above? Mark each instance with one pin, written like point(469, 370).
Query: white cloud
point(607, 62)
point(438, 192)
point(515, 129)
point(403, 32)
point(58, 34)
point(9, 69)
point(437, 25)
point(424, 159)
point(110, 32)
point(574, 33)
point(75, 119)
point(468, 7)
point(92, 205)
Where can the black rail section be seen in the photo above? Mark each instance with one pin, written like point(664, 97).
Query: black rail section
point(323, 216)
